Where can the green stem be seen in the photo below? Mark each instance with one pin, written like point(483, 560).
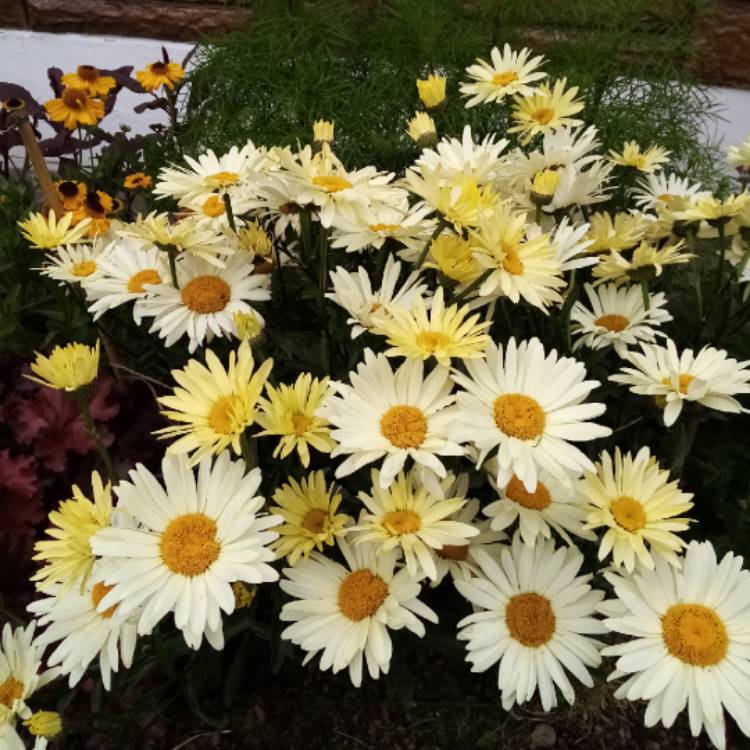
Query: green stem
point(438, 229)
point(172, 254)
point(539, 214)
point(721, 228)
point(249, 451)
point(474, 284)
point(83, 404)
point(230, 213)
point(566, 308)
point(646, 296)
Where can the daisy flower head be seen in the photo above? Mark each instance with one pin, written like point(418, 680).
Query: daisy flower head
point(353, 291)
point(344, 612)
point(442, 332)
point(508, 73)
point(67, 555)
point(739, 156)
point(212, 406)
point(521, 264)
point(548, 108)
point(125, 272)
point(47, 233)
point(68, 368)
point(709, 377)
point(71, 620)
point(633, 498)
point(632, 156)
point(196, 536)
point(137, 181)
point(714, 210)
point(71, 193)
point(616, 316)
point(74, 107)
point(74, 264)
point(646, 262)
point(431, 90)
point(291, 413)
point(658, 190)
point(408, 517)
point(552, 506)
point(686, 641)
point(621, 232)
point(452, 255)
point(531, 406)
point(43, 725)
point(206, 301)
point(21, 675)
point(311, 521)
point(382, 414)
point(90, 79)
point(422, 129)
point(160, 73)
point(534, 614)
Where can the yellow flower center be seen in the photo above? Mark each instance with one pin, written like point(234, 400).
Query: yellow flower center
point(539, 499)
point(10, 690)
point(511, 262)
point(543, 115)
point(300, 424)
point(664, 197)
point(84, 268)
point(383, 227)
point(684, 382)
point(188, 545)
point(315, 520)
point(98, 592)
point(361, 594)
point(146, 276)
point(530, 619)
point(213, 207)
point(454, 551)
point(503, 79)
point(222, 179)
point(694, 634)
point(221, 417)
point(331, 183)
point(399, 522)
point(206, 294)
point(404, 426)
point(519, 416)
point(75, 98)
point(613, 322)
point(87, 73)
point(628, 513)
point(432, 340)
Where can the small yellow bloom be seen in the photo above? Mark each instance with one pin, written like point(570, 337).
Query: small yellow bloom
point(47, 233)
point(646, 262)
point(547, 109)
point(68, 368)
point(44, 724)
point(422, 129)
point(254, 239)
point(75, 107)
point(431, 90)
point(136, 181)
point(623, 231)
point(90, 79)
point(160, 73)
point(643, 161)
point(248, 325)
point(323, 131)
point(453, 257)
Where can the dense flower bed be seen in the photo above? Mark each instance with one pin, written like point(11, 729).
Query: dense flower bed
point(402, 384)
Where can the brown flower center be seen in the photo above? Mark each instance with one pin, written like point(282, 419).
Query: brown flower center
point(188, 545)
point(159, 68)
point(613, 322)
point(98, 592)
point(695, 634)
point(539, 499)
point(361, 594)
point(315, 520)
point(399, 522)
point(628, 513)
point(519, 416)
point(87, 73)
point(68, 189)
point(146, 276)
point(75, 98)
point(206, 294)
point(530, 619)
point(404, 426)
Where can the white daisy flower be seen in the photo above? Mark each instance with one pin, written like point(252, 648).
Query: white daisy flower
point(74, 264)
point(392, 415)
point(71, 618)
point(536, 615)
point(578, 187)
point(206, 302)
point(739, 156)
point(656, 190)
point(507, 74)
point(551, 506)
point(709, 377)
point(570, 244)
point(617, 317)
point(408, 517)
point(530, 405)
point(353, 292)
point(21, 675)
point(198, 535)
point(345, 611)
point(126, 273)
point(687, 641)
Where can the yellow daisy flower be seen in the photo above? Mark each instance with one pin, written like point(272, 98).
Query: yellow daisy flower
point(90, 79)
point(646, 262)
point(308, 508)
point(715, 210)
point(75, 107)
point(431, 90)
point(644, 161)
point(453, 257)
point(619, 233)
point(442, 333)
point(213, 406)
point(160, 73)
point(547, 109)
point(47, 233)
point(67, 556)
point(290, 413)
point(68, 368)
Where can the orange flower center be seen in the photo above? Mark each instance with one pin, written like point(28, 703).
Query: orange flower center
point(223, 178)
point(98, 592)
point(221, 418)
point(384, 227)
point(331, 183)
point(628, 513)
point(613, 322)
point(432, 340)
point(75, 98)
point(684, 382)
point(300, 424)
point(188, 545)
point(695, 634)
point(315, 520)
point(399, 522)
point(539, 499)
point(10, 690)
point(454, 551)
point(83, 268)
point(519, 416)
point(530, 619)
point(664, 197)
point(213, 207)
point(404, 426)
point(146, 276)
point(361, 594)
point(511, 262)
point(503, 79)
point(206, 294)
point(543, 115)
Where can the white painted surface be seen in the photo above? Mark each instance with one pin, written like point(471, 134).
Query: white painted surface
point(26, 55)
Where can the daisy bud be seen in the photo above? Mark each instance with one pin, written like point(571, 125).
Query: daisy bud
point(544, 186)
point(322, 132)
point(422, 130)
point(432, 91)
point(249, 327)
point(44, 724)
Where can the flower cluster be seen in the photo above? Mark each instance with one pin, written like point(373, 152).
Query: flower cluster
point(431, 443)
